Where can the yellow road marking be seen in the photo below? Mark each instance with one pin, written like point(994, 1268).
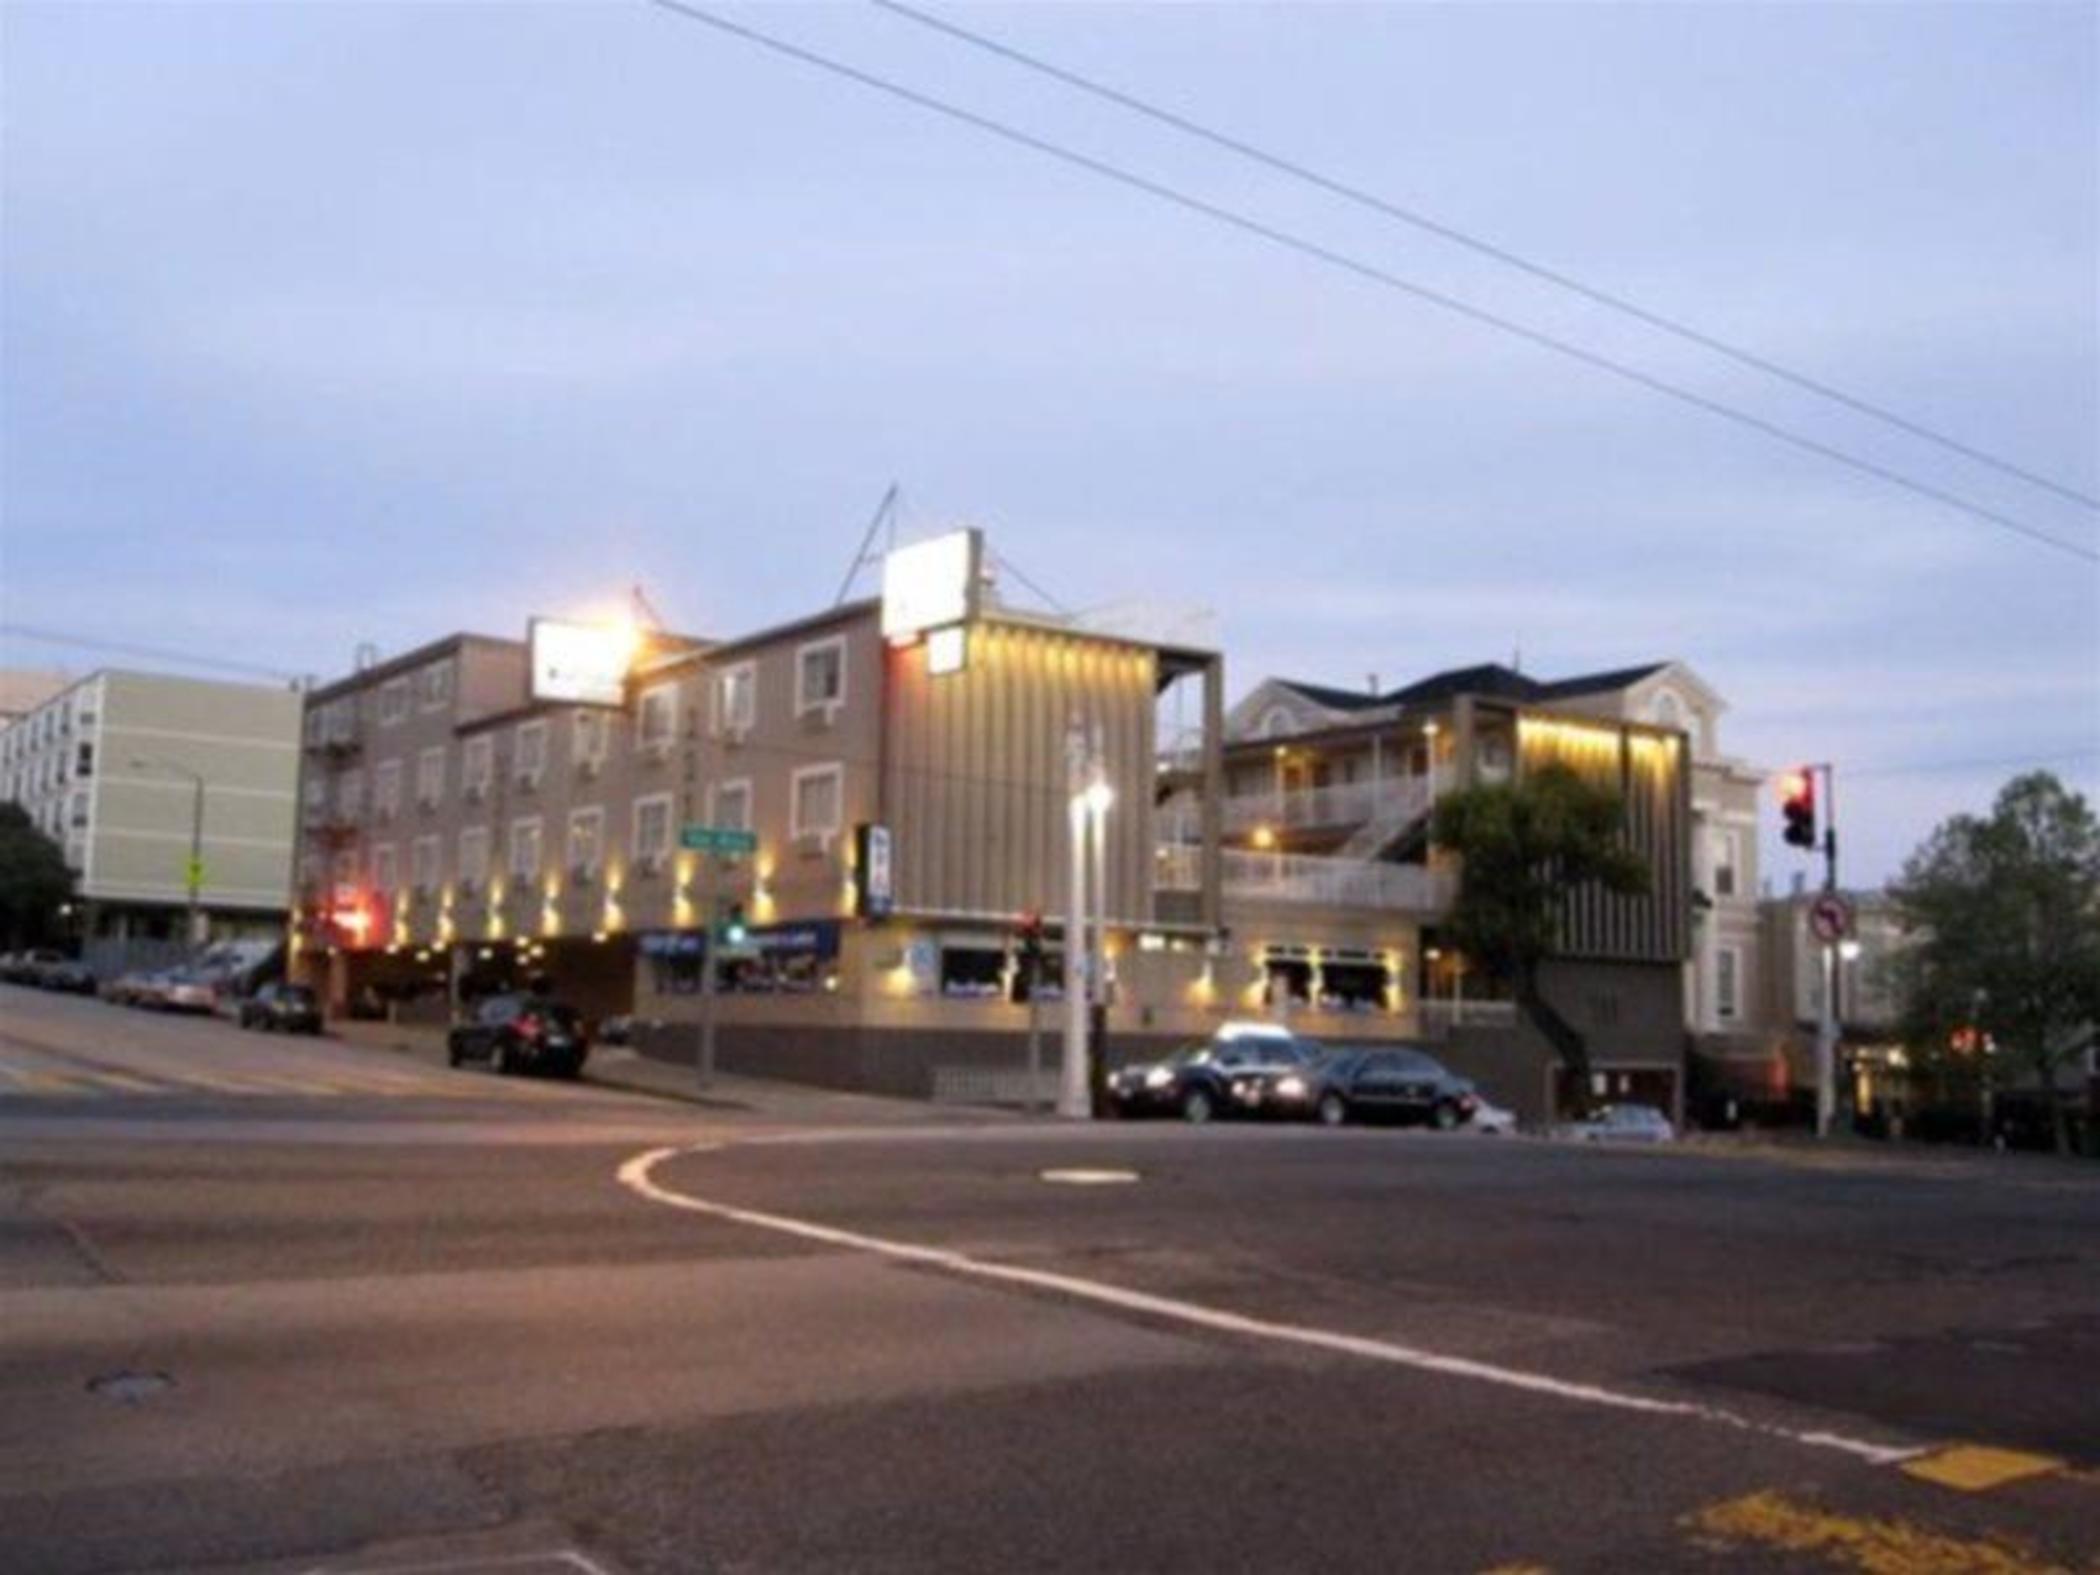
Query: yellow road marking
point(1977, 1468)
point(1875, 1547)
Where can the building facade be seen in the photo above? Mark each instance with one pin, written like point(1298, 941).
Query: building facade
point(134, 774)
point(1870, 1058)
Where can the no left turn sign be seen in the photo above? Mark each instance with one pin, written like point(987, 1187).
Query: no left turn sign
point(1830, 917)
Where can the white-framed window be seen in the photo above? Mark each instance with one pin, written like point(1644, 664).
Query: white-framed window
point(820, 674)
point(474, 856)
point(84, 765)
point(729, 804)
point(350, 794)
point(393, 701)
point(477, 764)
point(586, 840)
point(423, 864)
point(77, 815)
point(530, 753)
point(341, 725)
point(386, 788)
point(1728, 983)
point(385, 875)
point(1727, 851)
point(587, 743)
point(525, 848)
point(316, 791)
point(346, 867)
point(815, 801)
point(656, 724)
point(434, 685)
point(311, 726)
point(652, 830)
point(430, 777)
point(736, 698)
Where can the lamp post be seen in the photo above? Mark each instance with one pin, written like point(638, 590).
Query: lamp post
point(194, 872)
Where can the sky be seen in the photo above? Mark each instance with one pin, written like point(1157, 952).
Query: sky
point(328, 324)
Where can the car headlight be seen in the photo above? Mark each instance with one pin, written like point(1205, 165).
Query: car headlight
point(1291, 1087)
point(1158, 1077)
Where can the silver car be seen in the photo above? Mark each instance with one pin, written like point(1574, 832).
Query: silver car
point(1625, 1124)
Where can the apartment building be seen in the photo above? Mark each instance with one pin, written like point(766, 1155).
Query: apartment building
point(130, 771)
point(460, 834)
point(1331, 867)
point(1868, 1007)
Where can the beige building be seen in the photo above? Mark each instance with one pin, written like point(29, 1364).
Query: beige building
point(126, 771)
point(1868, 1007)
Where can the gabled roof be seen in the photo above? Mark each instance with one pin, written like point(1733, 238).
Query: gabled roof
point(1487, 678)
point(1600, 683)
point(1335, 699)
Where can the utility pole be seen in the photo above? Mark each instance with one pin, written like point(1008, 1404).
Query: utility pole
point(710, 960)
point(1073, 1101)
point(1827, 1024)
point(1098, 799)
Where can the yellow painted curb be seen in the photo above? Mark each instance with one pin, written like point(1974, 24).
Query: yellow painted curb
point(1977, 1468)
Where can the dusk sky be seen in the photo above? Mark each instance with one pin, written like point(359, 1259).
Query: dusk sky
point(339, 323)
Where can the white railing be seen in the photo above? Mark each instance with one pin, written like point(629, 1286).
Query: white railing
point(1178, 866)
point(1339, 804)
point(1340, 883)
point(1440, 1013)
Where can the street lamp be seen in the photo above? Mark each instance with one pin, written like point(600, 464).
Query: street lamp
point(194, 874)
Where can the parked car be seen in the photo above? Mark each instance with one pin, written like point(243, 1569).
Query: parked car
point(28, 967)
point(138, 987)
point(284, 1008)
point(69, 975)
point(1491, 1120)
point(1380, 1082)
point(1623, 1124)
point(521, 1033)
point(187, 992)
point(1235, 1076)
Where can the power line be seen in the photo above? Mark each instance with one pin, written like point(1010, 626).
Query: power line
point(1364, 270)
point(2005, 763)
point(151, 653)
point(1474, 243)
point(1000, 560)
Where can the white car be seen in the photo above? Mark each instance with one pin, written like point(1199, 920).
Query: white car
point(1624, 1124)
point(1492, 1120)
point(187, 992)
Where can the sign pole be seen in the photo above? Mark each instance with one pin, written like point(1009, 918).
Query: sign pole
point(710, 959)
point(1072, 1100)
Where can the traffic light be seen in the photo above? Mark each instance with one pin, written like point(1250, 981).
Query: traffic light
point(733, 931)
point(1030, 934)
point(1797, 803)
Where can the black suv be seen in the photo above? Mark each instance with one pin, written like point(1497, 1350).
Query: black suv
point(1385, 1082)
point(288, 1008)
point(1232, 1077)
point(521, 1033)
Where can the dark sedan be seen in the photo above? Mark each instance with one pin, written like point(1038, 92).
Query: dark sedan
point(75, 978)
point(521, 1033)
point(1235, 1077)
point(1380, 1083)
point(284, 1008)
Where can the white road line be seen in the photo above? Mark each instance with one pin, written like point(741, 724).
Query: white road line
point(635, 1175)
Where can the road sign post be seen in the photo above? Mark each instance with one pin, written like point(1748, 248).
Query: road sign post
point(713, 843)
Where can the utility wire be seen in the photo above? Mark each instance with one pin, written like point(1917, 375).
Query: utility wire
point(151, 653)
point(1000, 560)
point(1364, 270)
point(1473, 243)
point(1921, 767)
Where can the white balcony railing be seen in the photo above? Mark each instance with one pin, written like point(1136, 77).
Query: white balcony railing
point(1440, 1012)
point(1338, 804)
point(1304, 878)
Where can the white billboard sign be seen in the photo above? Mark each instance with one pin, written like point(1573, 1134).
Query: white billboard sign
point(931, 583)
point(581, 663)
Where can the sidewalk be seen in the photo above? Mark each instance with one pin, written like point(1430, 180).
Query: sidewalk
point(756, 1099)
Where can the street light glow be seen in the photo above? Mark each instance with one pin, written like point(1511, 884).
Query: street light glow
point(1099, 796)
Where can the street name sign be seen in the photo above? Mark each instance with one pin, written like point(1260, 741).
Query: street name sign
point(717, 839)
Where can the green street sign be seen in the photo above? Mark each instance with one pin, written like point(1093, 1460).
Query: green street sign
point(717, 839)
point(193, 872)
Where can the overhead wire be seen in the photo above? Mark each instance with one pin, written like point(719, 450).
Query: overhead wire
point(1320, 252)
point(1474, 243)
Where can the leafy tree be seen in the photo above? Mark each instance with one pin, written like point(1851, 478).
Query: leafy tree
point(2004, 915)
point(1526, 845)
point(34, 880)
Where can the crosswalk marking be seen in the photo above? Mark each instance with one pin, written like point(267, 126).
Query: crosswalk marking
point(102, 1082)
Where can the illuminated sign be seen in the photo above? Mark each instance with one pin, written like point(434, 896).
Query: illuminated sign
point(874, 886)
point(581, 663)
point(947, 649)
point(931, 583)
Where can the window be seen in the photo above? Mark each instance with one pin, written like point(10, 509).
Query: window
point(86, 766)
point(736, 698)
point(477, 762)
point(820, 674)
point(1276, 722)
point(814, 810)
point(386, 789)
point(78, 815)
point(652, 829)
point(434, 686)
point(531, 752)
point(586, 840)
point(731, 806)
point(588, 744)
point(1668, 710)
point(423, 864)
point(1728, 963)
point(342, 720)
point(316, 792)
point(430, 777)
point(346, 867)
point(384, 874)
point(350, 794)
point(474, 856)
point(393, 701)
point(525, 848)
point(313, 725)
point(657, 725)
point(1726, 850)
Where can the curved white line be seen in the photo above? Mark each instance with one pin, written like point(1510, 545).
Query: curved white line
point(635, 1175)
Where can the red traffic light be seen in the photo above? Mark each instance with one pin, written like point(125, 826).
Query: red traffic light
point(1797, 804)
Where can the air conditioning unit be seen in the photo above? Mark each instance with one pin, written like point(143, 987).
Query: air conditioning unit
point(582, 874)
point(426, 802)
point(475, 792)
point(735, 732)
point(815, 842)
point(469, 886)
point(649, 864)
point(588, 766)
point(822, 714)
point(529, 780)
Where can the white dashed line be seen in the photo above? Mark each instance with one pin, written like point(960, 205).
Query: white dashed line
point(635, 1175)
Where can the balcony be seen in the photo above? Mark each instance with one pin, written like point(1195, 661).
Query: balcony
point(1304, 878)
point(1393, 800)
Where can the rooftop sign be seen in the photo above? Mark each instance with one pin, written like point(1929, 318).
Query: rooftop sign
point(581, 663)
point(931, 583)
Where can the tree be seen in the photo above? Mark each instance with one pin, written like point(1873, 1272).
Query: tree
point(2004, 917)
point(1525, 845)
point(34, 880)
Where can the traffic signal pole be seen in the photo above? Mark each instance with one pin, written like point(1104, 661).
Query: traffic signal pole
point(710, 960)
point(1827, 1022)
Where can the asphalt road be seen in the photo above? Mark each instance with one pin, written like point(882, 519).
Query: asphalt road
point(287, 1305)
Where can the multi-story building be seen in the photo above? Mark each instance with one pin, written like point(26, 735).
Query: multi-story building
point(1328, 816)
point(23, 689)
point(135, 774)
point(1868, 1008)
